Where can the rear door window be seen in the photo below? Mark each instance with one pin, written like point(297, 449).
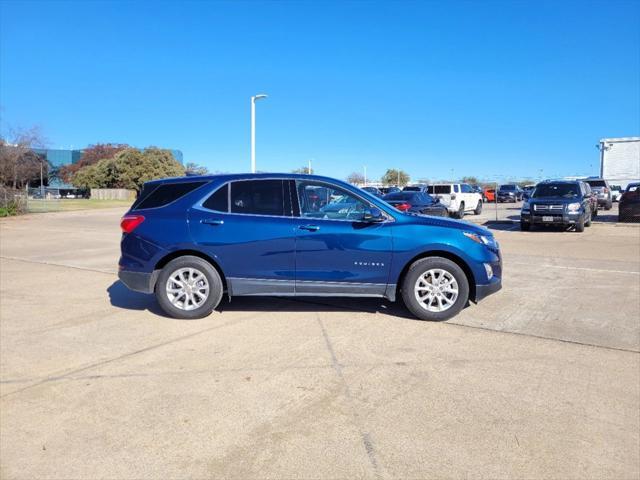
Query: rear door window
point(165, 194)
point(258, 197)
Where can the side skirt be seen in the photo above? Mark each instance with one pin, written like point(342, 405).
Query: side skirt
point(267, 287)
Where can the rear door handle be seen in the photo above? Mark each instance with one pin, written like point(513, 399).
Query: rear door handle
point(212, 221)
point(310, 228)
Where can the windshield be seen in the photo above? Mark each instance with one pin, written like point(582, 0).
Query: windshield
point(566, 190)
point(508, 187)
point(439, 189)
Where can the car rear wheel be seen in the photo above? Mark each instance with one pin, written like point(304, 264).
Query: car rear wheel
point(608, 206)
point(435, 289)
point(478, 209)
point(188, 287)
point(461, 211)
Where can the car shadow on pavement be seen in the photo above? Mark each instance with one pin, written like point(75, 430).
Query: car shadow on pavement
point(315, 304)
point(121, 297)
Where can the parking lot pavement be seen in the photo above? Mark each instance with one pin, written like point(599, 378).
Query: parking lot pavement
point(541, 380)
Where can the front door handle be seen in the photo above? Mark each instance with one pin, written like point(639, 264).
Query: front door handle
point(310, 228)
point(212, 221)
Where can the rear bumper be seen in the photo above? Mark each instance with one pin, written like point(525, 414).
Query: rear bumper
point(139, 281)
point(483, 291)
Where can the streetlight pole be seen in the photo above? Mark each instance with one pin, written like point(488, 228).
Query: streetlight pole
point(253, 130)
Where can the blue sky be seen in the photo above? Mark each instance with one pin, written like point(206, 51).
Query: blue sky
point(439, 89)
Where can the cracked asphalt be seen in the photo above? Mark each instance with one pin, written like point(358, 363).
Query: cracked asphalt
point(541, 380)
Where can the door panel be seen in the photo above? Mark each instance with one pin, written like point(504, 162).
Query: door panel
point(255, 252)
point(336, 252)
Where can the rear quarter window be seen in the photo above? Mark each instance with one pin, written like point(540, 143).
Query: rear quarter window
point(165, 194)
point(219, 200)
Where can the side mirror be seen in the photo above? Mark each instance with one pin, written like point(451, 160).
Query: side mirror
point(373, 215)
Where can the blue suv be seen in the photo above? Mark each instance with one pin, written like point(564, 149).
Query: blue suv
point(189, 240)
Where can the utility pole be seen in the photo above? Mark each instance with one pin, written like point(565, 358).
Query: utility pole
point(365, 175)
point(253, 130)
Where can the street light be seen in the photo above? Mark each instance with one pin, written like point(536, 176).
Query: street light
point(253, 129)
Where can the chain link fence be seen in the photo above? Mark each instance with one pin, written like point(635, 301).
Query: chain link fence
point(12, 202)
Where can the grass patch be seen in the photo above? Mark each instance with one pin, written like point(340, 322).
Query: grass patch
point(66, 205)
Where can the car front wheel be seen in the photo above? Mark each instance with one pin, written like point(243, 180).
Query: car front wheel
point(435, 289)
point(188, 287)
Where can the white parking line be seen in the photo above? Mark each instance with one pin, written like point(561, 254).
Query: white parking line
point(576, 268)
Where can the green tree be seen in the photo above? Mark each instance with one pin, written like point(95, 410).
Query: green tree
point(302, 170)
point(129, 168)
point(355, 178)
point(195, 169)
point(134, 167)
point(395, 177)
point(469, 180)
point(90, 156)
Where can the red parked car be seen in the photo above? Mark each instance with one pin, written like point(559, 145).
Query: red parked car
point(489, 195)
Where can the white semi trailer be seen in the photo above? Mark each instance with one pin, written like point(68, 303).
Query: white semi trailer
point(620, 160)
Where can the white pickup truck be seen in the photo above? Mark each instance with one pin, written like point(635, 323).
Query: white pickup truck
point(459, 198)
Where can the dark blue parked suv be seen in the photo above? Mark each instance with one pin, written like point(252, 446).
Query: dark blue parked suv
point(189, 240)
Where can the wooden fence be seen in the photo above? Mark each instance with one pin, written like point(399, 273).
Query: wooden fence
point(113, 194)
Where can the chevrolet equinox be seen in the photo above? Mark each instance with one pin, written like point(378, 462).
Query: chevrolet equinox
point(189, 240)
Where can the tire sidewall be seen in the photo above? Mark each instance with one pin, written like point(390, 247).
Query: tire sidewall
point(418, 268)
point(215, 287)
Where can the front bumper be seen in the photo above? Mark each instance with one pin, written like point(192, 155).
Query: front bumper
point(139, 281)
point(557, 219)
point(483, 291)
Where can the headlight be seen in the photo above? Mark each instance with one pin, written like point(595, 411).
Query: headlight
point(482, 239)
point(573, 207)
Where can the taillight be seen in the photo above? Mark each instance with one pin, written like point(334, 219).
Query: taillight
point(130, 222)
point(403, 207)
point(606, 190)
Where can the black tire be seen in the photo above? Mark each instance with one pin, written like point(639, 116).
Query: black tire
point(594, 214)
point(460, 213)
point(213, 278)
point(588, 222)
point(478, 209)
point(420, 267)
point(525, 227)
point(608, 206)
point(580, 225)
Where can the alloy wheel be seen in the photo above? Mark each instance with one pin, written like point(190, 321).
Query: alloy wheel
point(187, 288)
point(436, 290)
